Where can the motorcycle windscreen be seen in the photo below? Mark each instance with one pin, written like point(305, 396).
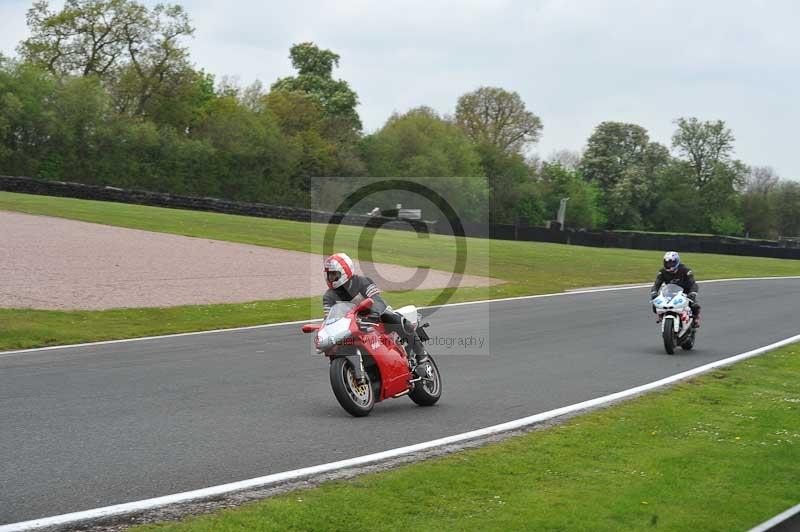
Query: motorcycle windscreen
point(333, 333)
point(671, 290)
point(339, 310)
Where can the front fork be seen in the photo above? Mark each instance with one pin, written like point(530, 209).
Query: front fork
point(357, 361)
point(676, 322)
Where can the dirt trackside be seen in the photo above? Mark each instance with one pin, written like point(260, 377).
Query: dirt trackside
point(55, 263)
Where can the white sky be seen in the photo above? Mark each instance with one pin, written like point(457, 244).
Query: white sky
point(575, 64)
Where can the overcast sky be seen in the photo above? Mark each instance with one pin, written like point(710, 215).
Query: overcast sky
point(575, 64)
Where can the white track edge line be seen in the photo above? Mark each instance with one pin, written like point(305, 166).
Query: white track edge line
point(213, 491)
point(143, 338)
point(778, 519)
point(4, 354)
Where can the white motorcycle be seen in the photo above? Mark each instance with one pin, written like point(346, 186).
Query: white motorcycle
point(674, 312)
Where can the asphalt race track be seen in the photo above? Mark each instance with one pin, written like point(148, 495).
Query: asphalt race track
point(93, 426)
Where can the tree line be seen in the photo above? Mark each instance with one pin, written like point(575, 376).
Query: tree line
point(103, 92)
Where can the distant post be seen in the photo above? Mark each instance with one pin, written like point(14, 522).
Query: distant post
point(562, 212)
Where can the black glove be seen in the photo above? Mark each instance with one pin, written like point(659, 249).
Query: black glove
point(692, 296)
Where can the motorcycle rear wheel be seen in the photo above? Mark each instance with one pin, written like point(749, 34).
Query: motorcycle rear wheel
point(668, 335)
point(357, 399)
point(427, 391)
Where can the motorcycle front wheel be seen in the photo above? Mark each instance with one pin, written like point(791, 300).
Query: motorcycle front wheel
point(669, 335)
point(357, 399)
point(428, 390)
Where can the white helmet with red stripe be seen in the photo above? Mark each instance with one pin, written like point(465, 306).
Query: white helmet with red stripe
point(339, 269)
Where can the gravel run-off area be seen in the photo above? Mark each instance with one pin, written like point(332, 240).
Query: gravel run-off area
point(55, 263)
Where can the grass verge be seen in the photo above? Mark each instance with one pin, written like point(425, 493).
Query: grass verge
point(28, 328)
point(526, 267)
point(718, 452)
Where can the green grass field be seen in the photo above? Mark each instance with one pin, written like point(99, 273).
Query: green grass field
point(526, 267)
point(719, 452)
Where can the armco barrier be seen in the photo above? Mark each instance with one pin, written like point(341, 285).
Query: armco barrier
point(614, 239)
point(158, 199)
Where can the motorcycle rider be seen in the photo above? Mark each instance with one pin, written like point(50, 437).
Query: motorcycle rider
point(345, 285)
point(674, 271)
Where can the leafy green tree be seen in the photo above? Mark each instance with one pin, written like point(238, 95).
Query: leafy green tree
point(509, 179)
point(677, 206)
point(612, 149)
point(302, 121)
point(705, 145)
point(716, 209)
point(9, 107)
point(497, 117)
point(81, 112)
point(615, 148)
point(630, 201)
point(26, 107)
point(529, 204)
point(786, 200)
point(295, 111)
point(583, 208)
point(315, 76)
point(180, 101)
point(621, 159)
point(705, 181)
point(727, 223)
point(627, 201)
point(122, 42)
point(420, 144)
point(251, 154)
point(757, 209)
point(722, 199)
point(129, 155)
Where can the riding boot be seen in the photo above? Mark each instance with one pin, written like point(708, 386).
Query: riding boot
point(418, 350)
point(696, 315)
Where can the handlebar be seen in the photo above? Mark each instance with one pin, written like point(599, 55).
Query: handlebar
point(364, 305)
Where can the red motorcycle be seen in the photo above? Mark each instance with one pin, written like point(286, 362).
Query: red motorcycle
point(369, 364)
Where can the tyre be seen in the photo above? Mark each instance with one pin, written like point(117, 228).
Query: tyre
point(669, 335)
point(428, 390)
point(357, 399)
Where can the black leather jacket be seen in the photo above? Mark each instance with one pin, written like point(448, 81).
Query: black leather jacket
point(684, 277)
point(355, 290)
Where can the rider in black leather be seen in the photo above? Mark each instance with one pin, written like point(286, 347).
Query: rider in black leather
point(675, 272)
point(359, 287)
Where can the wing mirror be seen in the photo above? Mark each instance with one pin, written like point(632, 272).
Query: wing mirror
point(311, 327)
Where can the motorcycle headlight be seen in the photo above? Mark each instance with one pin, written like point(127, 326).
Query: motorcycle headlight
point(332, 333)
point(323, 340)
